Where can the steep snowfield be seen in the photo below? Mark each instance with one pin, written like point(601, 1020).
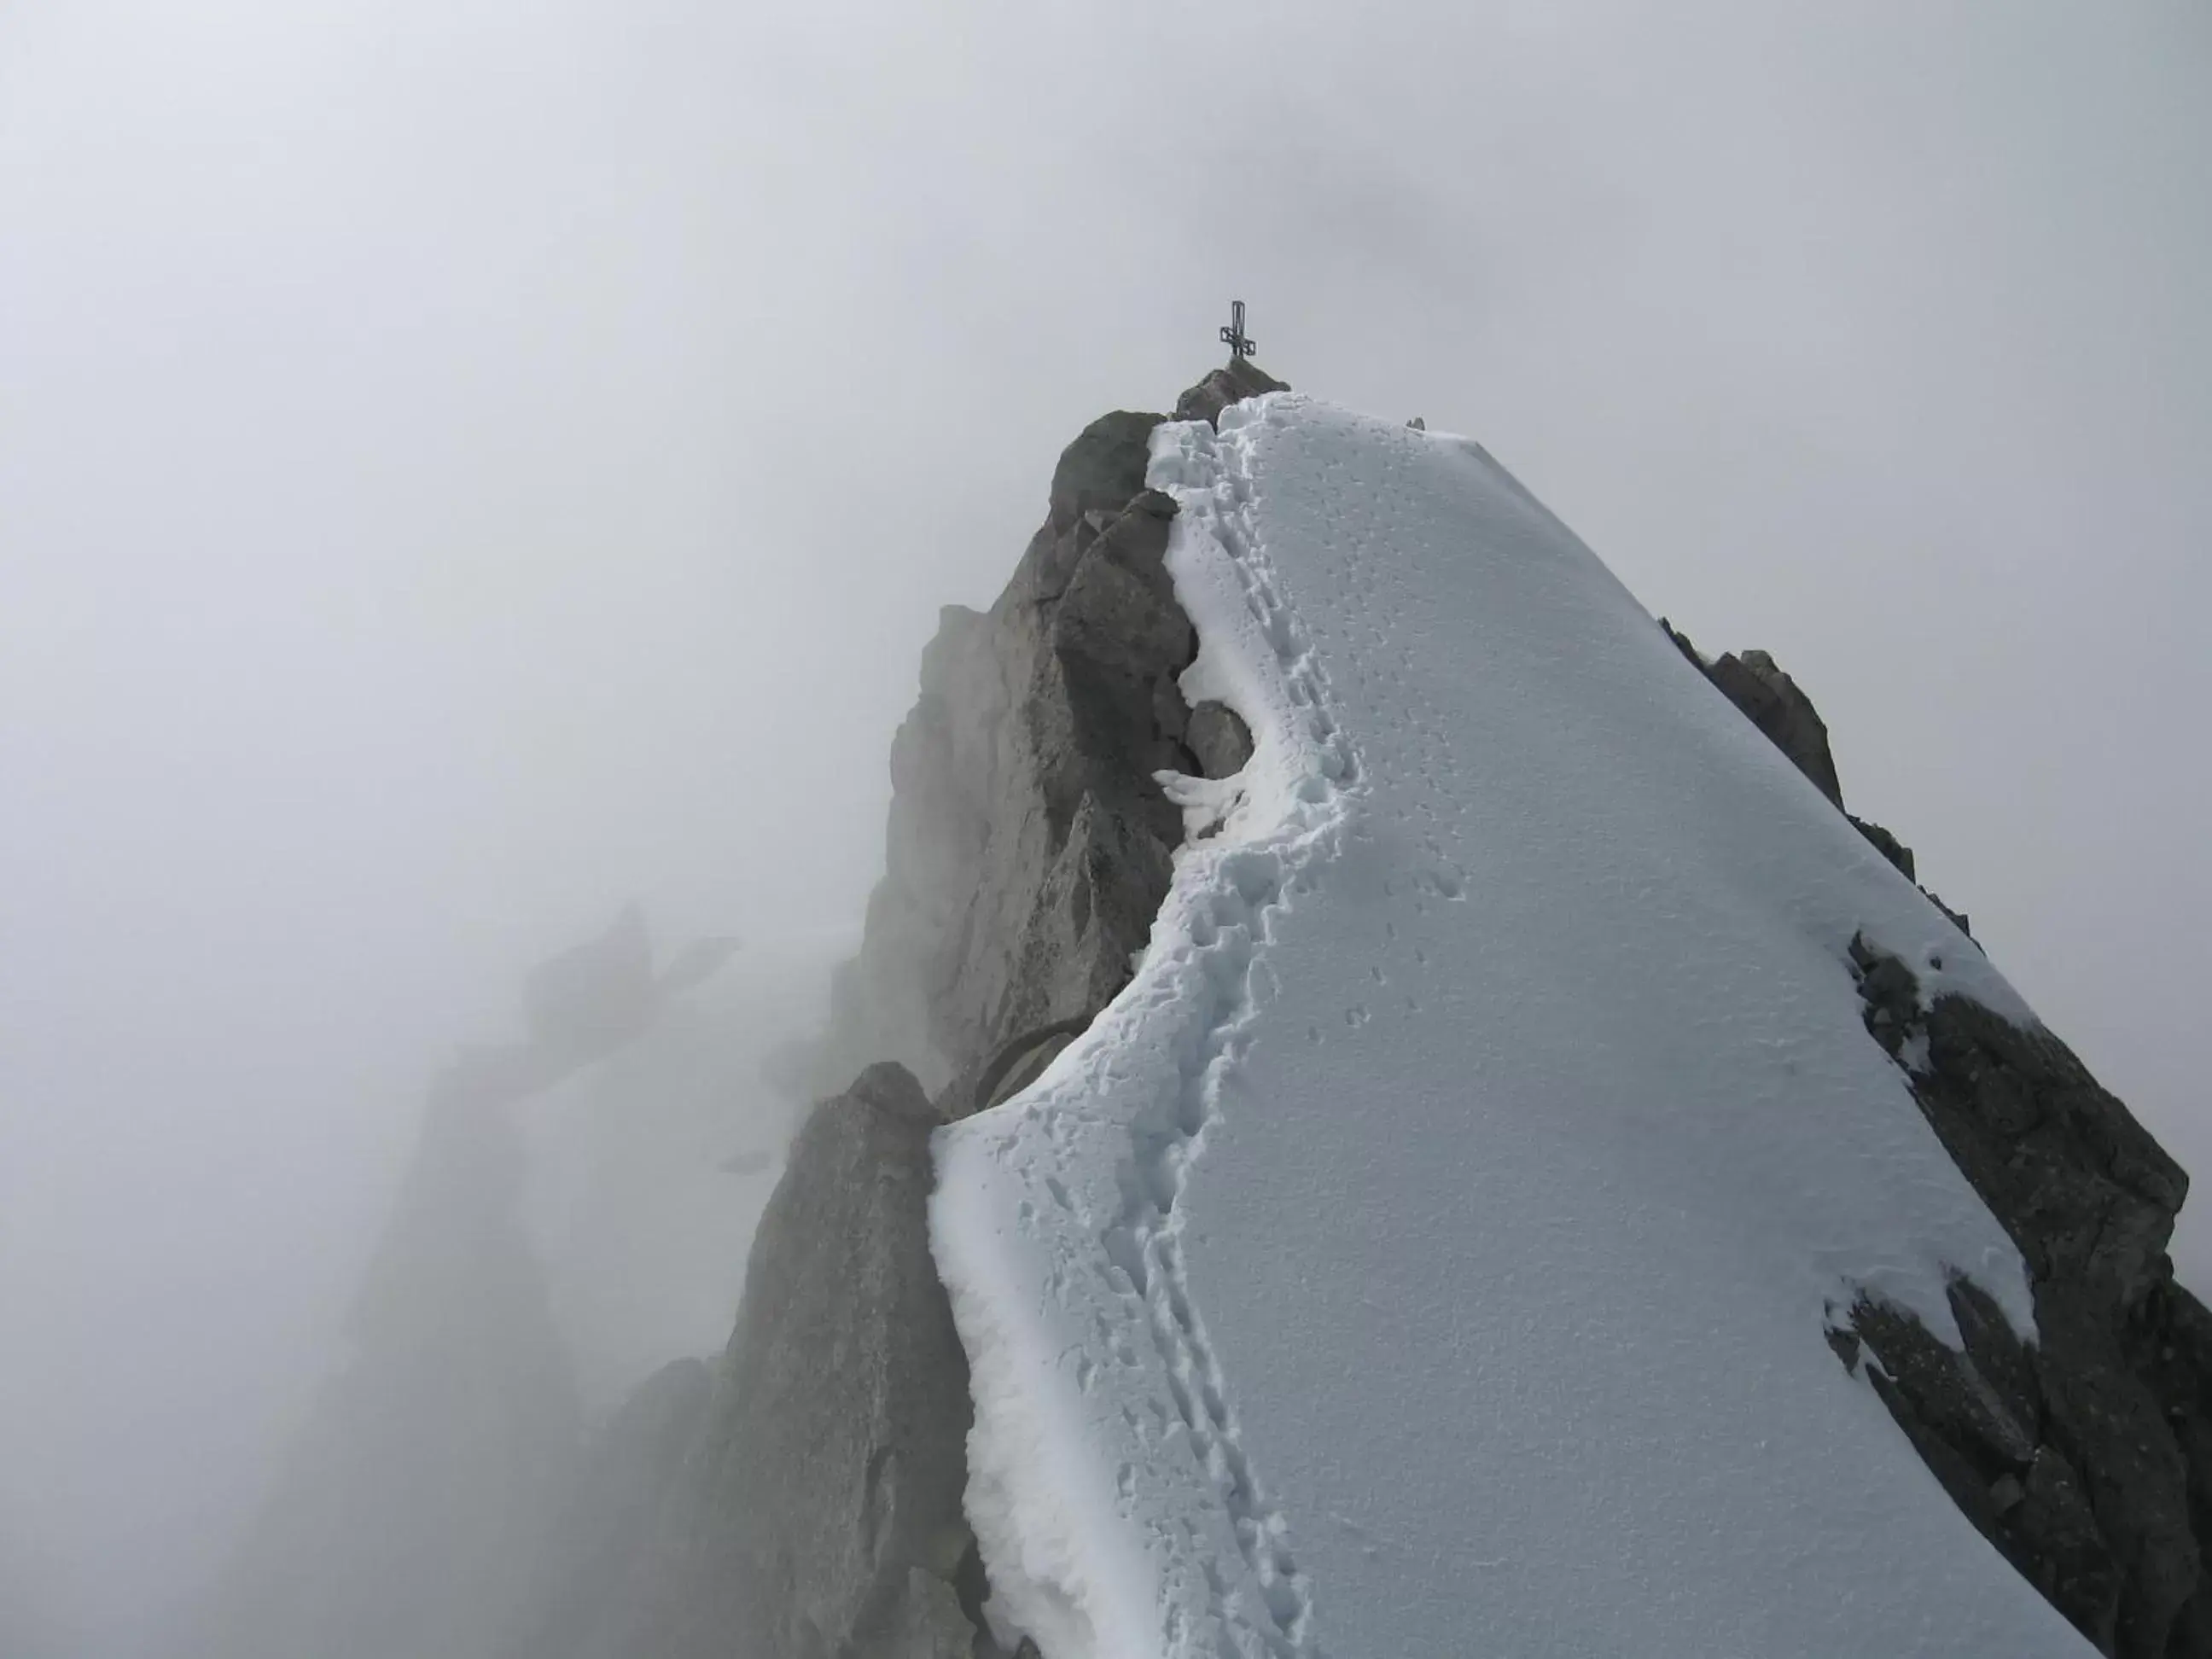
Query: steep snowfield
point(1428, 1253)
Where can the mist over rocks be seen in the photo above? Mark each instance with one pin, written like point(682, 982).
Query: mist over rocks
point(415, 1509)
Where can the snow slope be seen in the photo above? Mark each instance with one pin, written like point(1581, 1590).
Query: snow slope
point(1428, 1253)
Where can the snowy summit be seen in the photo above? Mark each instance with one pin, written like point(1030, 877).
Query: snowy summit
point(1434, 1249)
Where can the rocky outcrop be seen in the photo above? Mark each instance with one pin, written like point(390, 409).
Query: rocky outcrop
point(1218, 739)
point(818, 1511)
point(1029, 847)
point(1240, 378)
point(1771, 701)
point(2086, 1457)
point(1890, 847)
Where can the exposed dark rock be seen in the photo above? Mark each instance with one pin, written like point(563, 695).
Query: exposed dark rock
point(819, 1512)
point(1886, 844)
point(1029, 845)
point(2084, 1190)
point(1103, 469)
point(1217, 736)
point(2072, 1456)
point(1030, 1064)
point(1009, 1068)
point(1682, 644)
point(2056, 1545)
point(1233, 383)
point(1772, 702)
point(1959, 919)
point(2087, 1458)
point(1991, 1426)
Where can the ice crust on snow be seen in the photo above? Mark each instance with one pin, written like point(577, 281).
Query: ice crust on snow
point(1428, 1252)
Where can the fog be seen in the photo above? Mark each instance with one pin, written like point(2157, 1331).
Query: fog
point(466, 466)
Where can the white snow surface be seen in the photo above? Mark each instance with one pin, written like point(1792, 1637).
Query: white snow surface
point(1428, 1253)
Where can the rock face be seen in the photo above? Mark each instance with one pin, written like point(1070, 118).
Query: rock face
point(2084, 1457)
point(818, 1511)
point(1219, 739)
point(1029, 847)
point(1772, 702)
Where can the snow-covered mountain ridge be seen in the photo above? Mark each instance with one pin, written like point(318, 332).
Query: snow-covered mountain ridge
point(1384, 1107)
point(1503, 1018)
point(2073, 1455)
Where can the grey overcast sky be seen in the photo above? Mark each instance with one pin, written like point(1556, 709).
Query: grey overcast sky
point(464, 463)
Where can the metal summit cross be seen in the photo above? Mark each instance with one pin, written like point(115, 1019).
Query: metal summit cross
point(1240, 346)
